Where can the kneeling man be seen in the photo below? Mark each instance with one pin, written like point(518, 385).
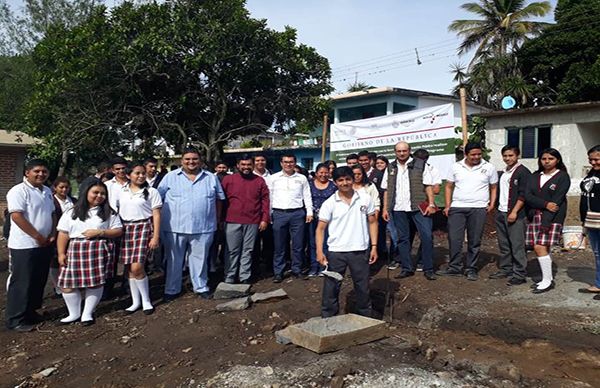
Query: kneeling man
point(350, 217)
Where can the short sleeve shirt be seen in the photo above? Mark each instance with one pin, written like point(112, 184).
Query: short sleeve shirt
point(75, 228)
point(37, 206)
point(132, 206)
point(472, 184)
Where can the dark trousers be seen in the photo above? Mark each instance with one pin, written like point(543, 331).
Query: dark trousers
point(286, 224)
point(511, 243)
point(358, 262)
point(262, 255)
point(28, 275)
point(424, 226)
point(473, 219)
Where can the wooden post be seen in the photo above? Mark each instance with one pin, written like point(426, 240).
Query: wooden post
point(463, 114)
point(324, 137)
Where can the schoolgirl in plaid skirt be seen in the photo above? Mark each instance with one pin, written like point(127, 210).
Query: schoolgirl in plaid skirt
point(546, 199)
point(84, 245)
point(139, 207)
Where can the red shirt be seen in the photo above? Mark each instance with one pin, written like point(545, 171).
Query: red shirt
point(247, 199)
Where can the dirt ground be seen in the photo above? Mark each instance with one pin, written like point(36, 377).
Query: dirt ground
point(448, 332)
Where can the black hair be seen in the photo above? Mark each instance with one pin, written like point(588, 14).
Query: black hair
point(260, 154)
point(287, 155)
point(373, 155)
point(364, 153)
point(221, 162)
point(107, 176)
point(119, 161)
point(554, 152)
point(509, 147)
point(330, 162)
point(35, 163)
point(150, 159)
point(595, 148)
point(82, 207)
point(302, 170)
point(321, 165)
point(365, 179)
point(191, 150)
point(145, 185)
point(421, 153)
point(351, 156)
point(472, 146)
point(384, 159)
point(243, 157)
point(341, 172)
point(60, 179)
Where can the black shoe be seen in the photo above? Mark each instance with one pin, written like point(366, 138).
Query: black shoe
point(472, 276)
point(449, 272)
point(538, 291)
point(23, 328)
point(61, 323)
point(167, 298)
point(596, 297)
point(129, 312)
point(247, 281)
point(205, 295)
point(277, 279)
point(149, 311)
point(404, 274)
point(299, 276)
point(34, 317)
point(88, 323)
point(429, 275)
point(498, 275)
point(515, 282)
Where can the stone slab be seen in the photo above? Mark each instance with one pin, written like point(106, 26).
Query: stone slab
point(270, 296)
point(235, 305)
point(230, 291)
point(322, 335)
point(283, 336)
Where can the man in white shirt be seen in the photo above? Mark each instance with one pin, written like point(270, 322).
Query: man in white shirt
point(470, 195)
point(152, 176)
point(349, 216)
point(291, 205)
point(32, 234)
point(408, 189)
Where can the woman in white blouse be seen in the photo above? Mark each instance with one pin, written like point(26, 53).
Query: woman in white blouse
point(363, 186)
point(85, 251)
point(139, 207)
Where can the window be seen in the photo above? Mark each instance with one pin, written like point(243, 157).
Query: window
point(531, 140)
point(307, 163)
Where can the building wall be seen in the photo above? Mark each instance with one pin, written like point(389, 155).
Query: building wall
point(12, 161)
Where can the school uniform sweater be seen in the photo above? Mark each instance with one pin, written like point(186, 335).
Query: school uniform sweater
point(590, 194)
point(554, 190)
point(517, 186)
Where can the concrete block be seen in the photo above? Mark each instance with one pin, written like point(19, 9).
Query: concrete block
point(283, 336)
point(323, 335)
point(235, 305)
point(230, 291)
point(270, 296)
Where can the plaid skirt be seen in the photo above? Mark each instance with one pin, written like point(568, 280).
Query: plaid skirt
point(135, 240)
point(536, 236)
point(89, 263)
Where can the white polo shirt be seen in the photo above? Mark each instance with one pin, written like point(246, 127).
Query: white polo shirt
point(113, 186)
point(289, 192)
point(472, 184)
point(75, 228)
point(402, 200)
point(504, 189)
point(348, 226)
point(133, 206)
point(37, 206)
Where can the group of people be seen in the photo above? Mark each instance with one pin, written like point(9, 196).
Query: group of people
point(253, 219)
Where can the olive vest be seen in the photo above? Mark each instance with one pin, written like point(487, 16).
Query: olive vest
point(415, 178)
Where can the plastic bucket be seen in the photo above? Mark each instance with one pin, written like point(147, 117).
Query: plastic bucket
point(573, 237)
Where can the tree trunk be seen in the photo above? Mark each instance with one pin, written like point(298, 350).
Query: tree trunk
point(64, 158)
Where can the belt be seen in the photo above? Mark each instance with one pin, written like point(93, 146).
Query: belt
point(289, 210)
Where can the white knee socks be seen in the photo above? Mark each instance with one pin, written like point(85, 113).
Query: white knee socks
point(546, 266)
point(73, 302)
point(92, 298)
point(144, 289)
point(135, 295)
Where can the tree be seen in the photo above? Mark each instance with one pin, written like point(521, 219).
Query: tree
point(564, 61)
point(177, 73)
point(502, 28)
point(359, 87)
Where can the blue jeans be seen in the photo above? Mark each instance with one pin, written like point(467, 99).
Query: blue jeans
point(312, 246)
point(424, 227)
point(286, 224)
point(594, 237)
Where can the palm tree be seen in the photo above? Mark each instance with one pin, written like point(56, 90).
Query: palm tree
point(502, 28)
point(359, 87)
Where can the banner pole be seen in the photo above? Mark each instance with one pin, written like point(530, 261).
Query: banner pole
point(324, 137)
point(463, 114)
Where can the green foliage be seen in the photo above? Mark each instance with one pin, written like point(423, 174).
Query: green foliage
point(565, 59)
point(359, 87)
point(16, 84)
point(143, 78)
point(475, 134)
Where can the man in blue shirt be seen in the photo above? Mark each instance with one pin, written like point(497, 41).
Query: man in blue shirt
point(189, 216)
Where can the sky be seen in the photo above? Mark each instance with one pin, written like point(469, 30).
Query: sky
point(373, 41)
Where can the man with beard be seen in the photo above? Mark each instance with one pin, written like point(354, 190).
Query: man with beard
point(247, 214)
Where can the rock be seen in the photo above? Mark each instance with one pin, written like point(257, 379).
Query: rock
point(431, 319)
point(430, 354)
point(45, 373)
point(125, 339)
point(267, 370)
point(337, 382)
point(269, 296)
point(343, 371)
point(274, 315)
point(254, 342)
point(230, 291)
point(505, 371)
point(283, 337)
point(235, 305)
point(186, 350)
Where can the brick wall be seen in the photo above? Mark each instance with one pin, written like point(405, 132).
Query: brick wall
point(11, 168)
